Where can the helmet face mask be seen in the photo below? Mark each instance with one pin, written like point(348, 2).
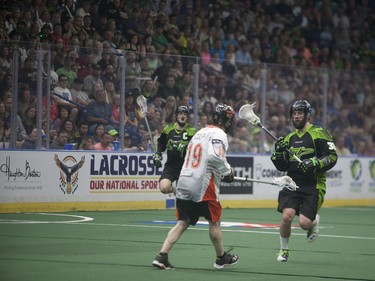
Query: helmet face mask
point(300, 106)
point(224, 116)
point(182, 115)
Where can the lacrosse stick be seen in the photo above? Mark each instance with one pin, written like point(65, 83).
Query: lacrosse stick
point(142, 102)
point(284, 182)
point(143, 78)
point(154, 83)
point(246, 112)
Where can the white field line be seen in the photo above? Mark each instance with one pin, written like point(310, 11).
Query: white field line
point(227, 230)
point(355, 209)
point(80, 219)
point(86, 221)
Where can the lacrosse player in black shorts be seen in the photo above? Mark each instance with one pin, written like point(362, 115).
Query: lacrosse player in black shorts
point(198, 187)
point(174, 138)
point(314, 146)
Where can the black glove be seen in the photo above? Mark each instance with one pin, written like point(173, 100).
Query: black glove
point(309, 165)
point(228, 178)
point(281, 145)
point(157, 158)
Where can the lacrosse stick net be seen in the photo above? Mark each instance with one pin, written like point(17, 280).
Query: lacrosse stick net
point(286, 182)
point(142, 102)
point(246, 112)
point(283, 182)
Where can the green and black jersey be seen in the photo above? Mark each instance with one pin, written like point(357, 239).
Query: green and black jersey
point(315, 141)
point(175, 142)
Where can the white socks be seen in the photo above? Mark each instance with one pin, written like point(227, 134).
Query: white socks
point(284, 243)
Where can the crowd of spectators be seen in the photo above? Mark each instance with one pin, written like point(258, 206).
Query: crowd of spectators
point(294, 42)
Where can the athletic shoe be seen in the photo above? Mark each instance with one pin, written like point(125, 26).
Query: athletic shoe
point(313, 233)
point(226, 260)
point(161, 261)
point(283, 255)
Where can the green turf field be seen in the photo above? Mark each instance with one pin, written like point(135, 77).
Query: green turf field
point(120, 245)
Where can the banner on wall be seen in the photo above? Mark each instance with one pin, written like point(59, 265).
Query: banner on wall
point(75, 175)
point(243, 167)
point(354, 177)
point(111, 173)
point(82, 176)
point(350, 178)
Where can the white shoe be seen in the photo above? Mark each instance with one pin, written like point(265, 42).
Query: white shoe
point(313, 233)
point(283, 255)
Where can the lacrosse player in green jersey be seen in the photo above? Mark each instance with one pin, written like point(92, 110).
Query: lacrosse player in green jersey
point(174, 139)
point(314, 146)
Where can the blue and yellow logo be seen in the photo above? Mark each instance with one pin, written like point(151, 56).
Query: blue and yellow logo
point(69, 167)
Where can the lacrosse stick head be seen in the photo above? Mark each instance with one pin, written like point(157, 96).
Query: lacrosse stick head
point(286, 182)
point(142, 102)
point(246, 112)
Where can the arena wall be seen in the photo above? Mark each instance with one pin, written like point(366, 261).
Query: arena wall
point(50, 181)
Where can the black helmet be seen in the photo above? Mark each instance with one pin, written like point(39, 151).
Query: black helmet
point(301, 105)
point(305, 107)
point(182, 109)
point(223, 115)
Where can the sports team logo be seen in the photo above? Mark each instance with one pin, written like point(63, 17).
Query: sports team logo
point(69, 173)
point(372, 169)
point(356, 169)
point(371, 166)
point(356, 172)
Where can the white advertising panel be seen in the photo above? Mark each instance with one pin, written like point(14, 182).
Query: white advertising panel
point(44, 176)
point(91, 176)
point(350, 178)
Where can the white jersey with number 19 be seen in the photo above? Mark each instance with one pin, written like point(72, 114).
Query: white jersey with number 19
point(205, 164)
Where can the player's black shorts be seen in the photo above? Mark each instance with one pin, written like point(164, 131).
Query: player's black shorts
point(190, 211)
point(171, 172)
point(304, 203)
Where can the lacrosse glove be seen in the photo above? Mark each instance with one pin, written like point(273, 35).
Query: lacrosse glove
point(309, 165)
point(157, 158)
point(280, 145)
point(228, 178)
point(181, 148)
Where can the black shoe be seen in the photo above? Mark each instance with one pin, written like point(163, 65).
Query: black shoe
point(161, 261)
point(226, 260)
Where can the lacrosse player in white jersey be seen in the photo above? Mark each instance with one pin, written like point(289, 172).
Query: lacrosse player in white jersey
point(197, 192)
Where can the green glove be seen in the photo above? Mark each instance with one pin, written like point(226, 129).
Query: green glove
point(309, 165)
point(181, 147)
point(157, 158)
